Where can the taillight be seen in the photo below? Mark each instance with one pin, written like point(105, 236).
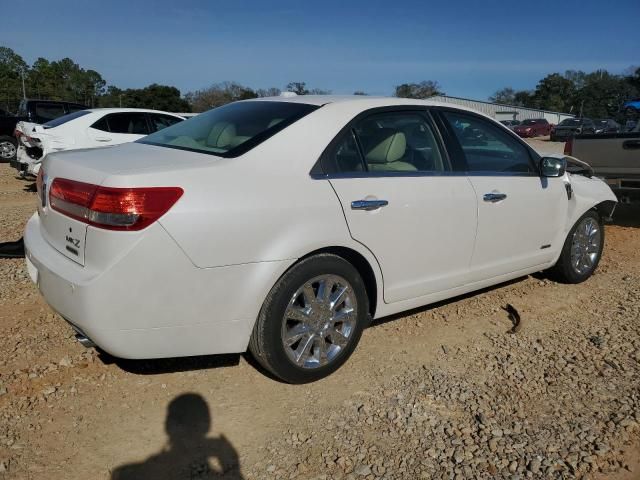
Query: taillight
point(568, 146)
point(112, 208)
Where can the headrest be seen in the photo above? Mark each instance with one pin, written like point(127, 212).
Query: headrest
point(385, 145)
point(221, 135)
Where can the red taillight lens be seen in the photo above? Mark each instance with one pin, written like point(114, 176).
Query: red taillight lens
point(568, 146)
point(112, 208)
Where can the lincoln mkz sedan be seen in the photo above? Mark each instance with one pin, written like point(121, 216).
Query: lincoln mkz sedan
point(284, 225)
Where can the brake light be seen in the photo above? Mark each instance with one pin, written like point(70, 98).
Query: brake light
point(568, 146)
point(112, 208)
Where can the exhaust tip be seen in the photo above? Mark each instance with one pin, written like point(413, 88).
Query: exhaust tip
point(85, 341)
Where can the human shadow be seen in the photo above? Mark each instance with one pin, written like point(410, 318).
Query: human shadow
point(189, 454)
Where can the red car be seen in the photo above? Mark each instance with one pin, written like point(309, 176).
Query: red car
point(533, 127)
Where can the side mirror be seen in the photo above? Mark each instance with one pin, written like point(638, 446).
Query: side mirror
point(552, 166)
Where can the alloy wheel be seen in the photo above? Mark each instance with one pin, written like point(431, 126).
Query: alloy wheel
point(319, 321)
point(585, 245)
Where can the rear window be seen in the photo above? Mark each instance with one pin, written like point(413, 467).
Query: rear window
point(571, 122)
point(65, 118)
point(232, 129)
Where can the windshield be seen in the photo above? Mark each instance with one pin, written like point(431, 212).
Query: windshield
point(232, 129)
point(65, 118)
point(530, 122)
point(571, 122)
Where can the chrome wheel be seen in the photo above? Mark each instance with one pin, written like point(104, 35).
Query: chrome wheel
point(7, 150)
point(319, 321)
point(585, 245)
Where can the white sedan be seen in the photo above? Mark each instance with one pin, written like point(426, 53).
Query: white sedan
point(91, 128)
point(283, 225)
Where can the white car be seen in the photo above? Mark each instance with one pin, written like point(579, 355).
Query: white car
point(283, 225)
point(91, 128)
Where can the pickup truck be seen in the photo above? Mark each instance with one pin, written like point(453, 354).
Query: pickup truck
point(613, 157)
point(35, 111)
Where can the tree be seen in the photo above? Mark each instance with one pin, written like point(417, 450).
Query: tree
point(268, 92)
point(554, 92)
point(299, 88)
point(12, 67)
point(523, 98)
point(506, 96)
point(425, 89)
point(603, 94)
point(218, 94)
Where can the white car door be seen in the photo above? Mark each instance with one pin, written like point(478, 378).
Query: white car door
point(117, 128)
point(521, 215)
point(400, 200)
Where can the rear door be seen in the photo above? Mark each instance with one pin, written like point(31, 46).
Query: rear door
point(394, 182)
point(521, 215)
point(117, 128)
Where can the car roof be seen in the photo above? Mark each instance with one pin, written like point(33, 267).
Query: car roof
point(125, 110)
point(365, 101)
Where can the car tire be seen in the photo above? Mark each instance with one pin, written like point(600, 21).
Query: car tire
point(552, 138)
point(8, 148)
point(582, 250)
point(296, 336)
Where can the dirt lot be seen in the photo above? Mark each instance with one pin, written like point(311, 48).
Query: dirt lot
point(441, 392)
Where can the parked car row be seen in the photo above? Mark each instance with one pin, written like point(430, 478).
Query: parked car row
point(567, 128)
point(86, 128)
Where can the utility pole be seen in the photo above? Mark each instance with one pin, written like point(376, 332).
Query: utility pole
point(24, 92)
point(120, 100)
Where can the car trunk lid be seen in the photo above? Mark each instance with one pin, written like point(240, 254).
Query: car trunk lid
point(110, 169)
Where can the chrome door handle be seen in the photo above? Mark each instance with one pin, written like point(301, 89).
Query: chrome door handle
point(368, 204)
point(494, 197)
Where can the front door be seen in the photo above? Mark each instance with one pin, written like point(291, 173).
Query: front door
point(520, 213)
point(400, 201)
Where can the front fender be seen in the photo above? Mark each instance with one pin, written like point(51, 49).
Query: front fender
point(588, 193)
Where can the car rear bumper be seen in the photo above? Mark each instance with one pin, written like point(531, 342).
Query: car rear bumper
point(152, 302)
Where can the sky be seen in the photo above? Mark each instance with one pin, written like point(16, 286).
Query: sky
point(472, 48)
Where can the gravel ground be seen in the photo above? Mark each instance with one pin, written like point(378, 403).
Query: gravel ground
point(441, 392)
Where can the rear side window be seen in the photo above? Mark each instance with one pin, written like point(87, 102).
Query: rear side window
point(486, 147)
point(387, 142)
point(48, 111)
point(132, 123)
point(160, 121)
point(232, 129)
point(75, 108)
point(65, 118)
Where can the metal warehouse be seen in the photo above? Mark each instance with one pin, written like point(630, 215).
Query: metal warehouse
point(504, 112)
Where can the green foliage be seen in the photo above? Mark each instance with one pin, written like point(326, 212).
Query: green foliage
point(425, 89)
point(506, 96)
point(156, 97)
point(598, 94)
point(218, 94)
point(66, 80)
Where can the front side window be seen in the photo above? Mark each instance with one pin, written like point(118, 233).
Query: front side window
point(387, 142)
point(232, 129)
point(486, 147)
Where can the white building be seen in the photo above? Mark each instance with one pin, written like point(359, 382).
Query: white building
point(504, 112)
